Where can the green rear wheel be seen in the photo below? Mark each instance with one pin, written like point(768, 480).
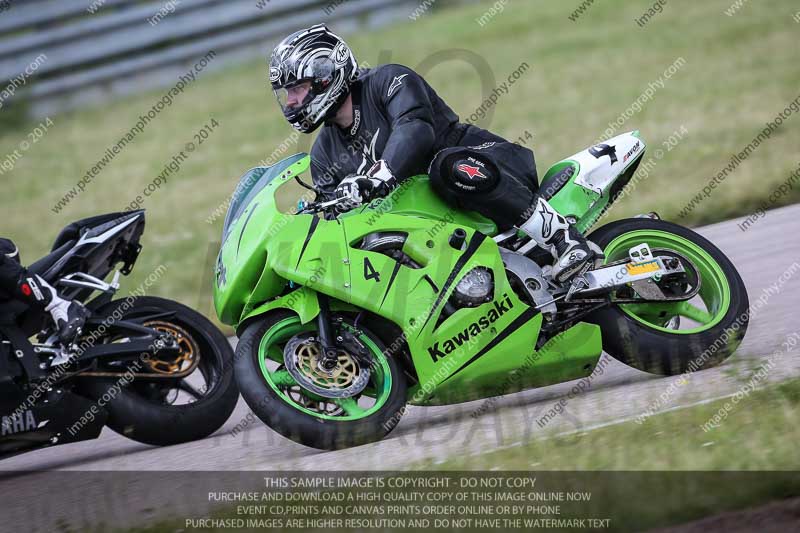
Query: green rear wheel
point(674, 337)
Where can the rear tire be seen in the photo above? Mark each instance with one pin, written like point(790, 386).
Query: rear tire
point(654, 349)
point(143, 420)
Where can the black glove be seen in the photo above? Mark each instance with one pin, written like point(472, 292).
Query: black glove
point(358, 189)
point(353, 191)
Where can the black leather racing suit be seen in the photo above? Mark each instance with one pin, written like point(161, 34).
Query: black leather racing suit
point(11, 271)
point(399, 118)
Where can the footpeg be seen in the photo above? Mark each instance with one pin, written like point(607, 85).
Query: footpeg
point(64, 355)
point(579, 283)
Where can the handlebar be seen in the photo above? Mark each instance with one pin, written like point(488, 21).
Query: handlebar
point(316, 207)
point(364, 184)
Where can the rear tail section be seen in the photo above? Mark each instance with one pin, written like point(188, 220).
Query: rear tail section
point(585, 184)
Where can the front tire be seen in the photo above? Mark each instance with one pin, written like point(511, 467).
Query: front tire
point(645, 336)
point(301, 416)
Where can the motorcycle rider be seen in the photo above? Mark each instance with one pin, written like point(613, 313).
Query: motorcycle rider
point(385, 124)
point(17, 283)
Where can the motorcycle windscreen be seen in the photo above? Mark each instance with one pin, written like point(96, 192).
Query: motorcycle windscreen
point(253, 181)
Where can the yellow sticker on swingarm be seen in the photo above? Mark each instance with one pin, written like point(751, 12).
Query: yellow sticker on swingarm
point(643, 268)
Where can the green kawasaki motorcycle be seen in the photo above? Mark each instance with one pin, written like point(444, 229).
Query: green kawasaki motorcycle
point(344, 318)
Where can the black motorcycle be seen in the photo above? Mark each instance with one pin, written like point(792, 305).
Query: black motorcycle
point(149, 368)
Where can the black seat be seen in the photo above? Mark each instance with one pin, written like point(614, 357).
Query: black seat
point(550, 186)
point(72, 232)
point(43, 265)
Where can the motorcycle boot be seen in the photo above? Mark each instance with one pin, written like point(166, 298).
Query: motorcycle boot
point(69, 316)
point(552, 232)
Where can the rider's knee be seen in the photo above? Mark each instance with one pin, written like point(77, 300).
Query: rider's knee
point(464, 172)
point(9, 249)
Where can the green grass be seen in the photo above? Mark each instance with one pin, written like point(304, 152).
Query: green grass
point(760, 433)
point(740, 71)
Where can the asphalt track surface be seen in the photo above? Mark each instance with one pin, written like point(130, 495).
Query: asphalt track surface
point(764, 254)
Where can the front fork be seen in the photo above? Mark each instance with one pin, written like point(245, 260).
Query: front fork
point(342, 339)
point(330, 356)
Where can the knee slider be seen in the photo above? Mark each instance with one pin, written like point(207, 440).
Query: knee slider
point(9, 249)
point(466, 171)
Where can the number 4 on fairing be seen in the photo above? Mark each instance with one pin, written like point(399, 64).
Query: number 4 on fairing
point(370, 272)
point(329, 362)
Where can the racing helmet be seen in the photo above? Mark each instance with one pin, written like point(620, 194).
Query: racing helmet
point(318, 56)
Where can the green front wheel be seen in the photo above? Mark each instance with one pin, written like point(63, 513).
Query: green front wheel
point(307, 405)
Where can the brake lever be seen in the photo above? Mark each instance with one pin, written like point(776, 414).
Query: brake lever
point(318, 207)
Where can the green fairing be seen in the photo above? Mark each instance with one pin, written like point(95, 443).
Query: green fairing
point(273, 259)
point(571, 200)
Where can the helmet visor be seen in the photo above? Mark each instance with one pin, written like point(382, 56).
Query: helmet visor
point(294, 97)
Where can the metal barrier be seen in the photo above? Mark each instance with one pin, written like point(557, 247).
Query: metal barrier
point(61, 54)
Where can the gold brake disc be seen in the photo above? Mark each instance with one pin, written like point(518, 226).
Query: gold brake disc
point(188, 356)
point(302, 356)
point(342, 376)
